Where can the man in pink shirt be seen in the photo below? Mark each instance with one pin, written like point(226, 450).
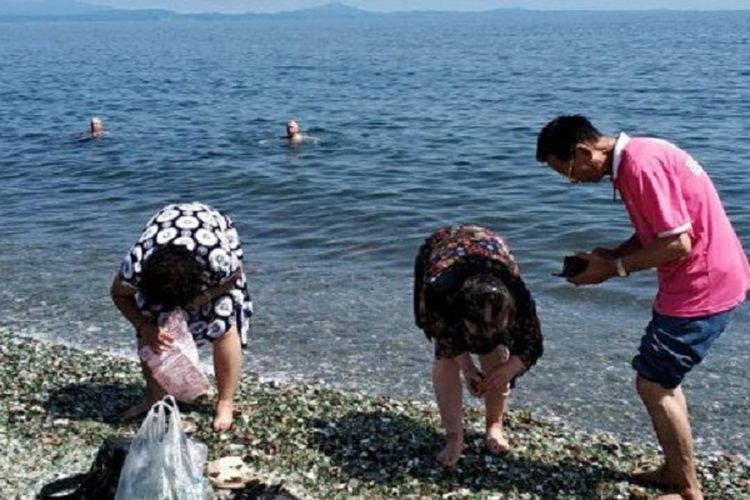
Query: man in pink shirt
point(681, 229)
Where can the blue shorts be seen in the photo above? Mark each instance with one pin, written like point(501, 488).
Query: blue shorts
point(672, 346)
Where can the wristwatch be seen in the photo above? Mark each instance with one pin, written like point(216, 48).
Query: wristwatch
point(621, 271)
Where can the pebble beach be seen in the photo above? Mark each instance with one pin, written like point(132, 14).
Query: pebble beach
point(58, 404)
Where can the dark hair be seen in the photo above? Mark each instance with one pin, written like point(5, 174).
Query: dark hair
point(171, 277)
point(560, 136)
point(485, 299)
point(460, 295)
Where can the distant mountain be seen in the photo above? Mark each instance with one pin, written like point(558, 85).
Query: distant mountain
point(598, 5)
point(335, 10)
point(48, 8)
point(63, 10)
point(57, 10)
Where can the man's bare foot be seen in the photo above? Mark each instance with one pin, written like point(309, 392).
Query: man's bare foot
point(451, 453)
point(496, 441)
point(659, 478)
point(656, 477)
point(224, 415)
point(682, 495)
point(139, 408)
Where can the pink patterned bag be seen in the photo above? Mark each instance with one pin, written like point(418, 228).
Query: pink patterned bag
point(176, 369)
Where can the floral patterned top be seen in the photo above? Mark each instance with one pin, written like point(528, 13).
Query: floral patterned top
point(450, 255)
point(214, 240)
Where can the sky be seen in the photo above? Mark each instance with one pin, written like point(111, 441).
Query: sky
point(238, 6)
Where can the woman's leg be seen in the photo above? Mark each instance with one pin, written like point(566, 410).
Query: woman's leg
point(227, 367)
point(446, 379)
point(154, 392)
point(495, 405)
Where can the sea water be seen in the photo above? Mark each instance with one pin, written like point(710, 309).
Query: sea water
point(420, 120)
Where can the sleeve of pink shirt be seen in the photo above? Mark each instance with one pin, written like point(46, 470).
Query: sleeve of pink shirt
point(657, 195)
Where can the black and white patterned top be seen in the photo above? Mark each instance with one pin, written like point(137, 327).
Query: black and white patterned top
point(214, 240)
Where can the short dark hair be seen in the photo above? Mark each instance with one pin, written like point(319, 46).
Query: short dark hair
point(463, 294)
point(486, 300)
point(560, 136)
point(171, 277)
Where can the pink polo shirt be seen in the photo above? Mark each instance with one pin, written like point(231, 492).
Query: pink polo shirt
point(667, 192)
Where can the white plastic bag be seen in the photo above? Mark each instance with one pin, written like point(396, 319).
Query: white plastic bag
point(176, 369)
point(163, 463)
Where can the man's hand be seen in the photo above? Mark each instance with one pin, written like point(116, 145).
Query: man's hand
point(607, 253)
point(599, 269)
point(157, 338)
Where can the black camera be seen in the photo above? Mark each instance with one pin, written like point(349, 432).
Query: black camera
point(573, 266)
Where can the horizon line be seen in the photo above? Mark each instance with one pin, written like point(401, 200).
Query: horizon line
point(437, 10)
point(343, 5)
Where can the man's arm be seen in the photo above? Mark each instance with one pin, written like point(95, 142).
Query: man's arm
point(659, 251)
point(627, 247)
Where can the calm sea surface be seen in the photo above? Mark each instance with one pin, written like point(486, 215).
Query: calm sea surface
point(421, 121)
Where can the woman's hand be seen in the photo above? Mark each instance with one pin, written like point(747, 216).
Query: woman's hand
point(157, 338)
point(472, 376)
point(473, 379)
point(500, 378)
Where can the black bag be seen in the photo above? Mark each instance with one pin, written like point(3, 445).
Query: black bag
point(263, 492)
point(99, 483)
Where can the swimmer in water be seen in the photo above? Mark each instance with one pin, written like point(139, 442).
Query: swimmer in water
point(96, 128)
point(293, 134)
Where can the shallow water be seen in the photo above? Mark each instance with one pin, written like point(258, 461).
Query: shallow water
point(421, 121)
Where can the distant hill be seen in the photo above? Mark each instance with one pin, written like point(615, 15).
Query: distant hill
point(75, 10)
point(334, 10)
point(58, 10)
point(48, 8)
point(597, 5)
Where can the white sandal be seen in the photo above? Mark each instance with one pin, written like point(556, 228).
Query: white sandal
point(229, 473)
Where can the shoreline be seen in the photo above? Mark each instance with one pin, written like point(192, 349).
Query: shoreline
point(59, 403)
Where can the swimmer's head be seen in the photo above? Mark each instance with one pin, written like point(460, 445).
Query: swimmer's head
point(292, 128)
point(96, 126)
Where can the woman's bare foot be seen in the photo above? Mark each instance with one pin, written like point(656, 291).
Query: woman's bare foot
point(451, 453)
point(139, 408)
point(497, 443)
point(224, 415)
